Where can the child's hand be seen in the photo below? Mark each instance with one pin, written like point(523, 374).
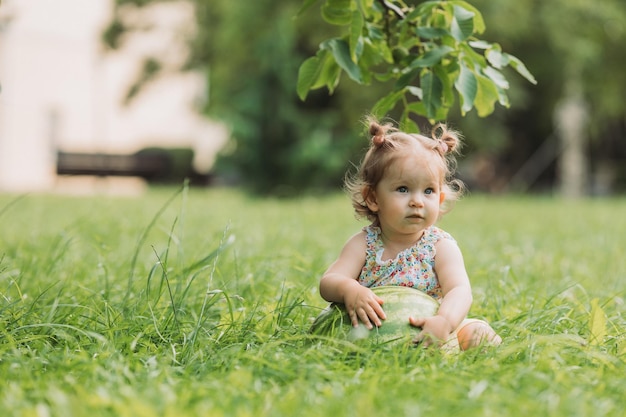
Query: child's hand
point(435, 330)
point(363, 304)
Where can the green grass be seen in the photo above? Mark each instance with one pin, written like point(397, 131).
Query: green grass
point(198, 303)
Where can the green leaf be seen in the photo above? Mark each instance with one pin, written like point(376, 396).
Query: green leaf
point(356, 40)
point(417, 107)
point(496, 58)
point(521, 68)
point(500, 82)
point(597, 323)
point(431, 91)
point(469, 55)
point(316, 72)
point(445, 75)
point(365, 5)
point(375, 33)
point(373, 54)
point(384, 76)
point(406, 78)
point(497, 77)
point(415, 91)
point(432, 57)
point(424, 9)
point(307, 75)
point(503, 99)
point(486, 96)
point(385, 52)
point(479, 44)
point(462, 24)
point(341, 53)
point(431, 33)
point(385, 104)
point(407, 124)
point(479, 22)
point(331, 73)
point(467, 86)
point(337, 12)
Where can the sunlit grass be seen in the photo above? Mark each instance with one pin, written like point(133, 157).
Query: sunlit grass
point(196, 302)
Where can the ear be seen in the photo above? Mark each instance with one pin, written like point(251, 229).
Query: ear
point(369, 196)
point(442, 197)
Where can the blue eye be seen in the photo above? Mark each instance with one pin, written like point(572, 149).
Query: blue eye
point(429, 191)
point(403, 189)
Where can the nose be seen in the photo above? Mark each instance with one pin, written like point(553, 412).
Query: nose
point(416, 200)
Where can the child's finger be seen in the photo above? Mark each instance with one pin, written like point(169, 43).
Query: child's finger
point(378, 310)
point(417, 322)
point(354, 318)
point(424, 339)
point(373, 315)
point(364, 317)
point(421, 339)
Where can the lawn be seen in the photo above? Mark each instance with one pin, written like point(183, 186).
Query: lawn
point(198, 303)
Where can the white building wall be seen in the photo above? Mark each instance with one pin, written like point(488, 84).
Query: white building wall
point(61, 90)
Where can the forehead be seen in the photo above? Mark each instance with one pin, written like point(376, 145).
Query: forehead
point(413, 166)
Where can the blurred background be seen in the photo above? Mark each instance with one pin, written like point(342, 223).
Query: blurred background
point(115, 95)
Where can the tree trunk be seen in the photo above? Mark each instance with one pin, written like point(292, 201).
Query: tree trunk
point(571, 118)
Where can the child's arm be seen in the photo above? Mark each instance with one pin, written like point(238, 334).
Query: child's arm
point(457, 294)
point(339, 284)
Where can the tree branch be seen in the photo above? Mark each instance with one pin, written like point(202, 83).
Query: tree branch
point(392, 8)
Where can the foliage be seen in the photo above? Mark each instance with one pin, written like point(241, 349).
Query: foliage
point(430, 50)
point(554, 38)
point(233, 46)
point(184, 303)
point(279, 145)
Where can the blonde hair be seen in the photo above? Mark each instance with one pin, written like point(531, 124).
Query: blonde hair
point(386, 145)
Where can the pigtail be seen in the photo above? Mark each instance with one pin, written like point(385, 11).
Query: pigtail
point(378, 132)
point(448, 140)
point(378, 138)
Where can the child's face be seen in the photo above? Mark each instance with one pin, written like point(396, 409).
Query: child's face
point(408, 197)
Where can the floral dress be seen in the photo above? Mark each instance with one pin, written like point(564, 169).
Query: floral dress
point(413, 267)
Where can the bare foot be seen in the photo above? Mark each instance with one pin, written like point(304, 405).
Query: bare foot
point(476, 334)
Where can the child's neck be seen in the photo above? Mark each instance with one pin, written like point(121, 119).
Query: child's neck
point(394, 243)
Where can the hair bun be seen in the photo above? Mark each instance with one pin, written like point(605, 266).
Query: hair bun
point(376, 129)
point(448, 140)
point(378, 140)
point(378, 132)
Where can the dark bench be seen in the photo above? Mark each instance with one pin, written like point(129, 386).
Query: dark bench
point(145, 165)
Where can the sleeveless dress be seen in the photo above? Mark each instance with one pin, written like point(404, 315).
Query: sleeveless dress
point(413, 267)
